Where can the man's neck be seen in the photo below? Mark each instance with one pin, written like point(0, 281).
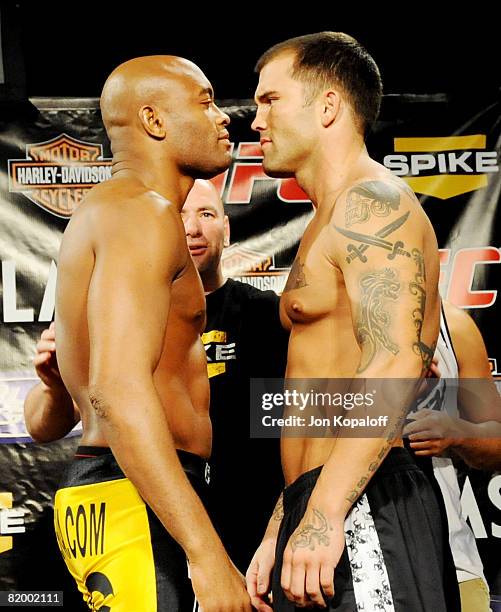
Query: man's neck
point(212, 280)
point(330, 169)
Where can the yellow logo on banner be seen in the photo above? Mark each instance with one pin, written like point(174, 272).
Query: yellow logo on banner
point(451, 165)
point(5, 503)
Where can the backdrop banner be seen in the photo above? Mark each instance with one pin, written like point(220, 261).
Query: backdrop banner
point(53, 152)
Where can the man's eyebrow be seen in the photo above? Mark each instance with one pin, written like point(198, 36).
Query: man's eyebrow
point(265, 95)
point(207, 207)
point(207, 90)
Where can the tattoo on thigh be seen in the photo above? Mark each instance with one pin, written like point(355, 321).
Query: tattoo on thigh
point(374, 319)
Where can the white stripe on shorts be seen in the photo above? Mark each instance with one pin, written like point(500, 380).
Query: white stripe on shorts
point(371, 584)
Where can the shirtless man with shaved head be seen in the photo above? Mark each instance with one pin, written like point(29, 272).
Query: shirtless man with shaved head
point(129, 515)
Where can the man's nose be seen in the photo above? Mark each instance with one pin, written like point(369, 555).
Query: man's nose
point(224, 119)
point(259, 124)
point(192, 226)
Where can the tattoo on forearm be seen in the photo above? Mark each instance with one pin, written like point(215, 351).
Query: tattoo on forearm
point(99, 405)
point(278, 512)
point(312, 534)
point(372, 197)
point(296, 278)
point(373, 321)
point(355, 493)
point(366, 240)
point(418, 288)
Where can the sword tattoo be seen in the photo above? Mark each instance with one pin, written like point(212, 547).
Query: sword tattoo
point(367, 240)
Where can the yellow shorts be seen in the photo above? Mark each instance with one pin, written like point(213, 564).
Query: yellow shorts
point(122, 558)
point(474, 596)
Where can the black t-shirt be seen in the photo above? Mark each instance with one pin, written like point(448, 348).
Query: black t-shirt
point(243, 339)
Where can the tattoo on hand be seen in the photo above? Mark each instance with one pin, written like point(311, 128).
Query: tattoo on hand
point(372, 327)
point(296, 278)
point(309, 535)
point(418, 288)
point(372, 197)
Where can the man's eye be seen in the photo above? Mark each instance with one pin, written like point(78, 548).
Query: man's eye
point(206, 214)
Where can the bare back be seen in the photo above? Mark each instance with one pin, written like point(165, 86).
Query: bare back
point(361, 298)
point(101, 245)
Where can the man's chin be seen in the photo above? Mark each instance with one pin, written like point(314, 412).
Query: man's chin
point(275, 171)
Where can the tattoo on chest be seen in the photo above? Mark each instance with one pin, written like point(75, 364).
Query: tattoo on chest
point(370, 198)
point(315, 530)
point(377, 289)
point(297, 278)
point(418, 289)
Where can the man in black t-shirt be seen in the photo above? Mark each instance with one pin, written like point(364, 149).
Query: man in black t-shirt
point(243, 339)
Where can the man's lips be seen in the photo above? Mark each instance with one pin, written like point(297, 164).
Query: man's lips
point(264, 141)
point(197, 249)
point(225, 137)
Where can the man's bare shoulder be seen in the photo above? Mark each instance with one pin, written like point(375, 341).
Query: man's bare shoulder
point(127, 197)
point(373, 196)
point(381, 208)
point(125, 212)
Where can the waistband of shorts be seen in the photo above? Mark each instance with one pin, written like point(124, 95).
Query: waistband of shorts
point(97, 464)
point(397, 460)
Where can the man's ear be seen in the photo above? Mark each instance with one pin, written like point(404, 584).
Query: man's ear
point(331, 103)
point(152, 122)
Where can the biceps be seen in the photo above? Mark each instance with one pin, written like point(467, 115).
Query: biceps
point(127, 312)
point(388, 309)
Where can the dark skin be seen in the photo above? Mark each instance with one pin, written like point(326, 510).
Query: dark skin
point(165, 131)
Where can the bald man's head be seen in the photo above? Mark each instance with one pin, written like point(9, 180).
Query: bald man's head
point(143, 81)
point(207, 227)
point(168, 100)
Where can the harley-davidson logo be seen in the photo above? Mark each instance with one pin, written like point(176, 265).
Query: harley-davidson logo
point(56, 174)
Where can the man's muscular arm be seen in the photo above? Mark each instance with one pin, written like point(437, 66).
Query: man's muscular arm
point(128, 306)
point(476, 436)
point(378, 238)
point(49, 411)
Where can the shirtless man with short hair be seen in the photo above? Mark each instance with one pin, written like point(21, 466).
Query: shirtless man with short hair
point(362, 301)
point(129, 312)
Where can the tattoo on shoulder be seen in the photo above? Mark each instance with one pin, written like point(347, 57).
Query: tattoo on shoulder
point(402, 185)
point(297, 278)
point(377, 289)
point(418, 289)
point(370, 198)
point(314, 531)
point(378, 240)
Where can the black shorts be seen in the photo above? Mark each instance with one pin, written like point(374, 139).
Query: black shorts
point(119, 553)
point(396, 557)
